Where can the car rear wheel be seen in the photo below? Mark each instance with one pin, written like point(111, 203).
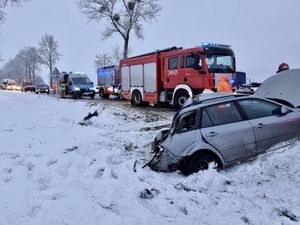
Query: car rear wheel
point(197, 162)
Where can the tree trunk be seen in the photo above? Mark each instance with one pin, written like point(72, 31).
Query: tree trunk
point(126, 43)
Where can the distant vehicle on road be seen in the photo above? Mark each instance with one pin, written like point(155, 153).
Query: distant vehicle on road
point(174, 74)
point(10, 84)
point(79, 85)
point(108, 81)
point(42, 88)
point(27, 85)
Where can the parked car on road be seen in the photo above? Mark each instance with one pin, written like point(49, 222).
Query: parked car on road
point(11, 85)
point(27, 85)
point(42, 88)
point(223, 129)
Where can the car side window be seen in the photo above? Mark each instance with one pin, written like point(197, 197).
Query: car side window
point(187, 121)
point(223, 113)
point(256, 108)
point(205, 120)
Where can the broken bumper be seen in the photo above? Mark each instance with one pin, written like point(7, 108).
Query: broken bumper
point(165, 161)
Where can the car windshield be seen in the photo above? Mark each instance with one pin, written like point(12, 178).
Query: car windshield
point(42, 85)
point(81, 80)
point(27, 83)
point(11, 83)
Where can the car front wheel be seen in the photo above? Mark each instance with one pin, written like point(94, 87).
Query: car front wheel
point(197, 162)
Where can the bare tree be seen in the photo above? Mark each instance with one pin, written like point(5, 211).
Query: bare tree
point(4, 4)
point(48, 52)
point(122, 16)
point(26, 64)
point(102, 60)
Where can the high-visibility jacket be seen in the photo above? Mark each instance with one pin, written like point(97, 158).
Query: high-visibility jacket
point(224, 85)
point(63, 86)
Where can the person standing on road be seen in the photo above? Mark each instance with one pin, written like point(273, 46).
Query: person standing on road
point(63, 86)
point(224, 85)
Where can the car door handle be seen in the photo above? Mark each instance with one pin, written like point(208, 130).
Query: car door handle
point(211, 134)
point(260, 125)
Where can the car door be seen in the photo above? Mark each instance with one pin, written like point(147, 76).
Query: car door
point(223, 127)
point(186, 135)
point(269, 124)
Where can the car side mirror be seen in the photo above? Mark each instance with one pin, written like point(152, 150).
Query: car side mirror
point(284, 110)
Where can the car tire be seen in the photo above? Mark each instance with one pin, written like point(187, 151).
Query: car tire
point(73, 95)
point(136, 98)
point(196, 162)
point(92, 96)
point(180, 99)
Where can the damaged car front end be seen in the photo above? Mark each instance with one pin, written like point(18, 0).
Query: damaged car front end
point(163, 160)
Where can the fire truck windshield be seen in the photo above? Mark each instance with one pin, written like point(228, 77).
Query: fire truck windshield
point(220, 63)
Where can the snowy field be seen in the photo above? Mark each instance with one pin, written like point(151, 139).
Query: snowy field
point(56, 169)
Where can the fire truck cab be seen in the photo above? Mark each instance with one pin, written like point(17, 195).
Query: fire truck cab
point(173, 75)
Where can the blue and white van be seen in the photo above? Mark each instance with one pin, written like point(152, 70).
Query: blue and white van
point(80, 85)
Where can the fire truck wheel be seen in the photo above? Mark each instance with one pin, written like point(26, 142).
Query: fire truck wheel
point(180, 98)
point(136, 98)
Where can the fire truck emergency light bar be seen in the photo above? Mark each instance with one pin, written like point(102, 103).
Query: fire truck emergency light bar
point(208, 44)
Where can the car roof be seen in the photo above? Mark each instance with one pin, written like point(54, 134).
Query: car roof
point(213, 97)
point(207, 99)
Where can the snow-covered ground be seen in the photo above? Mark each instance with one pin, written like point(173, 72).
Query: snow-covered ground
point(57, 169)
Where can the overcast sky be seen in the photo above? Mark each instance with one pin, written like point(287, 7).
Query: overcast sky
point(262, 33)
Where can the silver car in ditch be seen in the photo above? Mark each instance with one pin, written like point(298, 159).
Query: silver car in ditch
point(224, 129)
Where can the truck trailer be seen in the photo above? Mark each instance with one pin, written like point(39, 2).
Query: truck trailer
point(174, 74)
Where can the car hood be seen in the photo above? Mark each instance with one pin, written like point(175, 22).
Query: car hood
point(42, 87)
point(282, 86)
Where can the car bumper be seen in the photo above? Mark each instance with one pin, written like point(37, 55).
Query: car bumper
point(163, 159)
point(42, 91)
point(84, 92)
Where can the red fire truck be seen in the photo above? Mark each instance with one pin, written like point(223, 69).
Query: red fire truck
point(173, 75)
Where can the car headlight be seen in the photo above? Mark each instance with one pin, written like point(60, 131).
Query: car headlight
point(93, 88)
point(76, 88)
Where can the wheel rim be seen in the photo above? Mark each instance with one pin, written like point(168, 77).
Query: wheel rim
point(182, 100)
